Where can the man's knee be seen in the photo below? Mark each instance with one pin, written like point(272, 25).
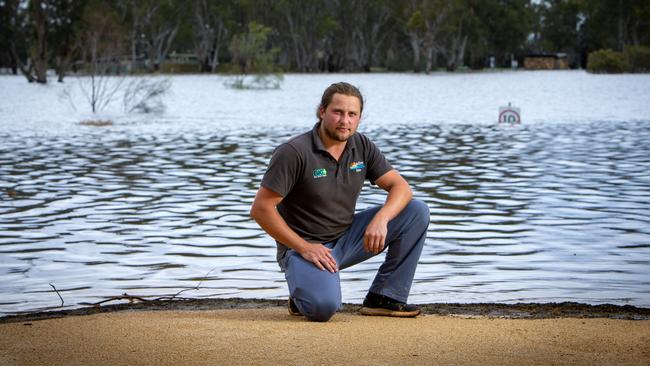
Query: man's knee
point(420, 212)
point(322, 310)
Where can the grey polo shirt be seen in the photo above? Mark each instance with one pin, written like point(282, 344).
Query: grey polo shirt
point(319, 193)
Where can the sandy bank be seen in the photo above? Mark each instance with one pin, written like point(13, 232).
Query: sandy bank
point(270, 336)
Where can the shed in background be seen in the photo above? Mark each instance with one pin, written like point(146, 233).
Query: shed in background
point(546, 61)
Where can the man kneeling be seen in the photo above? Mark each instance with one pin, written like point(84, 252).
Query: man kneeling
point(307, 200)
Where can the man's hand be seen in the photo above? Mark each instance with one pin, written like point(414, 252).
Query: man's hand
point(374, 238)
point(399, 195)
point(320, 256)
point(265, 213)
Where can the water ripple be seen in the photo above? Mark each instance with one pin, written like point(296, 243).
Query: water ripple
point(541, 212)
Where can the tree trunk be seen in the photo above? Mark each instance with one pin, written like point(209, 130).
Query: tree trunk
point(431, 37)
point(63, 60)
point(134, 45)
point(427, 69)
point(214, 62)
point(203, 34)
point(166, 46)
point(134, 35)
point(26, 70)
point(160, 35)
point(621, 28)
point(60, 68)
point(461, 52)
point(456, 53)
point(415, 46)
point(39, 52)
point(294, 41)
point(14, 63)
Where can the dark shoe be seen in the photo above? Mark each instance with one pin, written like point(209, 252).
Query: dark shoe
point(376, 304)
point(293, 309)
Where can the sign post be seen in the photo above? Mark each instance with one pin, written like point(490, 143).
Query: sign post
point(510, 115)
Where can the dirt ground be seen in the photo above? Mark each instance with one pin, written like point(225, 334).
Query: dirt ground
point(269, 335)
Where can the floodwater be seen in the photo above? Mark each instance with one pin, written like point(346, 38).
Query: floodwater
point(554, 209)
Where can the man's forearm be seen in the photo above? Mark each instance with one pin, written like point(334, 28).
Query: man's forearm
point(270, 221)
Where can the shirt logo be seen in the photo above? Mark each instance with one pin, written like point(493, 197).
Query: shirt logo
point(357, 166)
point(320, 173)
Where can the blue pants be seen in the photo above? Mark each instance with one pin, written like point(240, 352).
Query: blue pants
point(317, 293)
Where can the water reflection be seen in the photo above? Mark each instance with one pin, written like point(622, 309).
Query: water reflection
point(546, 212)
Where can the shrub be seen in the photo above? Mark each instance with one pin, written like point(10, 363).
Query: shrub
point(607, 61)
point(144, 95)
point(638, 57)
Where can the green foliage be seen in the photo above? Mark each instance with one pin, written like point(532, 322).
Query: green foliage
point(614, 24)
point(250, 55)
point(327, 25)
point(607, 61)
point(638, 58)
point(560, 25)
point(262, 36)
point(416, 21)
point(502, 26)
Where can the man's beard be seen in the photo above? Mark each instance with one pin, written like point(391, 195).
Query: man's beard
point(337, 137)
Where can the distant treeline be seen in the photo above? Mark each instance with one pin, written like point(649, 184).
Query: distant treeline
point(311, 35)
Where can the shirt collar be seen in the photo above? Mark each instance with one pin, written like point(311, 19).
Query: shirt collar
point(318, 143)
